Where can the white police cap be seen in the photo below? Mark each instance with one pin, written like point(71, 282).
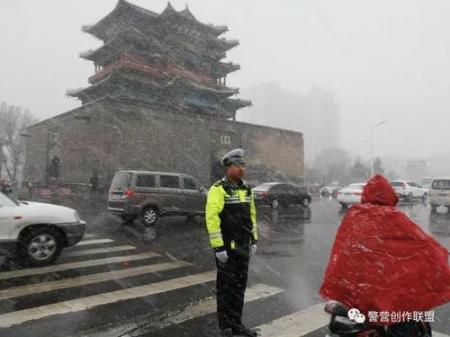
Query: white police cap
point(235, 156)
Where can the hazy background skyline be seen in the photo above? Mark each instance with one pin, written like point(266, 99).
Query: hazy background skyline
point(384, 60)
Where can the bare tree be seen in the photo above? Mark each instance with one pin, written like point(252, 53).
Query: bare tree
point(13, 124)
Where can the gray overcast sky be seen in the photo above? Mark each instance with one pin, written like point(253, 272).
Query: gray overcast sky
point(384, 59)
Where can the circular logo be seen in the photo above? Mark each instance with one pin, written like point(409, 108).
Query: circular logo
point(356, 316)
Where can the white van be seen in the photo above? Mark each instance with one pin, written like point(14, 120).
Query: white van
point(439, 196)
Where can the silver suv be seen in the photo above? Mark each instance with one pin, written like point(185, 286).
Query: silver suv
point(148, 195)
point(440, 195)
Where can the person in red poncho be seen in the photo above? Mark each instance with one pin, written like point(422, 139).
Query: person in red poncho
point(382, 261)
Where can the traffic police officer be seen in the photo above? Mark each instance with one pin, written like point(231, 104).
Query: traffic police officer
point(231, 223)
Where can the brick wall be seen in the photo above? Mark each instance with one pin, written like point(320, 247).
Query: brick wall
point(117, 136)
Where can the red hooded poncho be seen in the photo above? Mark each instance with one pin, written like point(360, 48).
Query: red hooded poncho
point(382, 261)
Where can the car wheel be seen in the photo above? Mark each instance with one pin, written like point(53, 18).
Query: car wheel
point(40, 246)
point(344, 205)
point(409, 197)
point(149, 216)
point(274, 204)
point(306, 202)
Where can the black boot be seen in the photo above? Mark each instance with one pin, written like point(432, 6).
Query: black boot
point(227, 332)
point(244, 331)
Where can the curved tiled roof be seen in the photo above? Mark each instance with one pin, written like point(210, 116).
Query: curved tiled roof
point(124, 9)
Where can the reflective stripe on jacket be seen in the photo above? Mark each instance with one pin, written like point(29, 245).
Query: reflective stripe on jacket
point(230, 215)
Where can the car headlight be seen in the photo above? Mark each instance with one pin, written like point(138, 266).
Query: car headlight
point(77, 216)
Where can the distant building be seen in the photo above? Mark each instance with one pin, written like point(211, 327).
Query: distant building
point(440, 164)
point(416, 169)
point(315, 114)
point(158, 101)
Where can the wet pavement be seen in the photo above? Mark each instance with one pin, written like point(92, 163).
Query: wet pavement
point(124, 280)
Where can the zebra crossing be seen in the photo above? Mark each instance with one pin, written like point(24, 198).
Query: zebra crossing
point(99, 275)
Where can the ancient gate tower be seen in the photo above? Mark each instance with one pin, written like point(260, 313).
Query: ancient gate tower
point(168, 60)
point(157, 101)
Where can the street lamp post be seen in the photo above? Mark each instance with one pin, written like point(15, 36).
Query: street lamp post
point(372, 134)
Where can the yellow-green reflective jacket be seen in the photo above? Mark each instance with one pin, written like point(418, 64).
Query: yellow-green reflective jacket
point(230, 215)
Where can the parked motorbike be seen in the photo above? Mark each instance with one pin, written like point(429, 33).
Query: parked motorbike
point(342, 326)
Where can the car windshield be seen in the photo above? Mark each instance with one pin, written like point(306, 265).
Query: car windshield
point(121, 181)
point(355, 187)
point(7, 201)
point(441, 184)
point(264, 187)
point(397, 184)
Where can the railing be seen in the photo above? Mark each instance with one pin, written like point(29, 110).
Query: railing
point(132, 62)
point(126, 61)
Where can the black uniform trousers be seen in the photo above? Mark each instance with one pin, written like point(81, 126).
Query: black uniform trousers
point(231, 283)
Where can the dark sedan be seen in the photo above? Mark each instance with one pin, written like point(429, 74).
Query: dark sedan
point(278, 194)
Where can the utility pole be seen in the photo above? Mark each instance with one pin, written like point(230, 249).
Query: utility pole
point(372, 135)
